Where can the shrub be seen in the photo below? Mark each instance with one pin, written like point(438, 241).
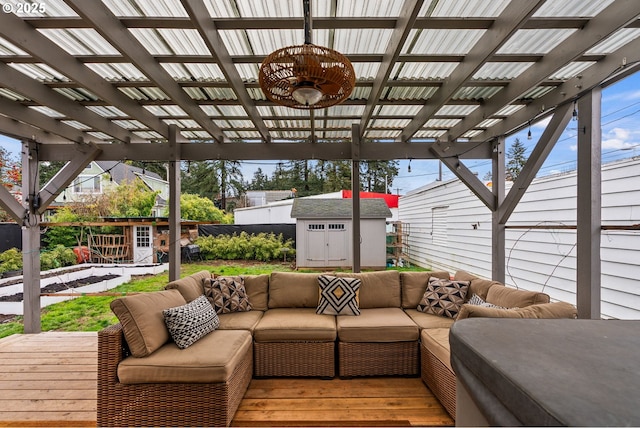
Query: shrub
point(58, 257)
point(67, 236)
point(10, 260)
point(261, 247)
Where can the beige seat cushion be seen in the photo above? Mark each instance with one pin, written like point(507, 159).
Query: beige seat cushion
point(414, 284)
point(377, 325)
point(142, 320)
point(247, 320)
point(211, 359)
point(191, 287)
point(436, 340)
point(508, 297)
point(295, 324)
point(378, 289)
point(293, 290)
point(257, 287)
point(424, 320)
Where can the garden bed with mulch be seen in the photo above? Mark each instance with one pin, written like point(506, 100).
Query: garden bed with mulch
point(60, 286)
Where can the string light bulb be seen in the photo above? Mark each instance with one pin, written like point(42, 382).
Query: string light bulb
point(409, 167)
point(574, 115)
point(529, 133)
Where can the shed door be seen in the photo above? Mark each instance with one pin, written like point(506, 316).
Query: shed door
point(142, 248)
point(337, 242)
point(316, 245)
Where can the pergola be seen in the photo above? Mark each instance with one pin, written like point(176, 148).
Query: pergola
point(172, 80)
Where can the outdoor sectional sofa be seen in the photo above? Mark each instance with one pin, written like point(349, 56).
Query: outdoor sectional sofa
point(145, 379)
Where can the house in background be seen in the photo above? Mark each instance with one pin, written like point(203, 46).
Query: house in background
point(99, 176)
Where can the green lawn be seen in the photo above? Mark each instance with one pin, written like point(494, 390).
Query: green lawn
point(92, 313)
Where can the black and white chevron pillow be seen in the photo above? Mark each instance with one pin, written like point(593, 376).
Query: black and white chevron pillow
point(190, 322)
point(338, 296)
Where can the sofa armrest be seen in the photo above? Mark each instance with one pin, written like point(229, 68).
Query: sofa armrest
point(112, 349)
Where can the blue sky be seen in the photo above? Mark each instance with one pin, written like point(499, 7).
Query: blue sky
point(620, 139)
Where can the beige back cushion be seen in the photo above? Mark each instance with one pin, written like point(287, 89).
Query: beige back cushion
point(257, 287)
point(191, 287)
point(414, 284)
point(477, 285)
point(142, 320)
point(543, 310)
point(379, 289)
point(508, 297)
point(293, 290)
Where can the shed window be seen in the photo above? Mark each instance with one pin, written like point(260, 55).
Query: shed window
point(336, 226)
point(316, 227)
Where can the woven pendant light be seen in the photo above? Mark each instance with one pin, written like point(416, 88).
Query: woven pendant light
point(307, 76)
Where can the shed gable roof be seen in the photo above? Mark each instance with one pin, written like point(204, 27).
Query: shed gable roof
point(338, 208)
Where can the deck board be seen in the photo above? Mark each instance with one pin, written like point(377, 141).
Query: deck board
point(49, 379)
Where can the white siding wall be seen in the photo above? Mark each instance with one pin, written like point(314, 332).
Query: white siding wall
point(275, 213)
point(542, 260)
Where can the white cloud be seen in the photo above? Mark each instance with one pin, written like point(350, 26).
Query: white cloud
point(616, 139)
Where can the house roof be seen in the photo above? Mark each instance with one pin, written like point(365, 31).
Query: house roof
point(124, 172)
point(120, 74)
point(338, 208)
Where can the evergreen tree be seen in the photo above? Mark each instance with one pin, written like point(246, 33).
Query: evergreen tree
point(201, 178)
point(260, 180)
point(516, 159)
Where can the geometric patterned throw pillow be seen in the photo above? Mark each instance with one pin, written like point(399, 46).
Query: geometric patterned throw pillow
point(444, 297)
point(338, 296)
point(227, 294)
point(188, 323)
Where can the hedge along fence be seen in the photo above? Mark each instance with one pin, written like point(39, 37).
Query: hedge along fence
point(262, 247)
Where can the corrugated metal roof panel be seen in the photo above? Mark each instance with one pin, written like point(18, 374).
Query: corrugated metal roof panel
point(269, 8)
point(339, 124)
point(256, 94)
point(433, 42)
point(240, 124)
point(379, 134)
point(538, 92)
point(171, 41)
point(100, 136)
point(76, 94)
point(232, 110)
point(390, 123)
point(360, 93)
point(365, 70)
point(345, 110)
point(488, 122)
point(8, 48)
point(153, 8)
point(615, 41)
point(107, 111)
point(248, 71)
point(118, 72)
point(456, 110)
point(472, 133)
point(476, 92)
point(509, 110)
point(361, 41)
point(423, 70)
point(403, 110)
point(411, 92)
point(129, 124)
point(221, 9)
point(529, 41)
point(211, 111)
point(220, 93)
point(48, 111)
point(249, 134)
point(14, 96)
point(571, 70)
point(429, 133)
point(80, 41)
point(464, 8)
point(40, 72)
point(366, 8)
point(148, 135)
point(502, 70)
point(441, 123)
point(76, 124)
point(572, 8)
point(263, 42)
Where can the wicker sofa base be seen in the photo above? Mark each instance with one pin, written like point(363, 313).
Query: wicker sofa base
point(440, 380)
point(170, 404)
point(378, 359)
point(307, 359)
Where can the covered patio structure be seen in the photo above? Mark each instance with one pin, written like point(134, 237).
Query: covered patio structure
point(172, 81)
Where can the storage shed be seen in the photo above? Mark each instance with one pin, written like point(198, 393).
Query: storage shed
point(323, 232)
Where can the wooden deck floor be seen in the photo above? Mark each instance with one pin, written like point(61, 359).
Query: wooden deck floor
point(49, 379)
